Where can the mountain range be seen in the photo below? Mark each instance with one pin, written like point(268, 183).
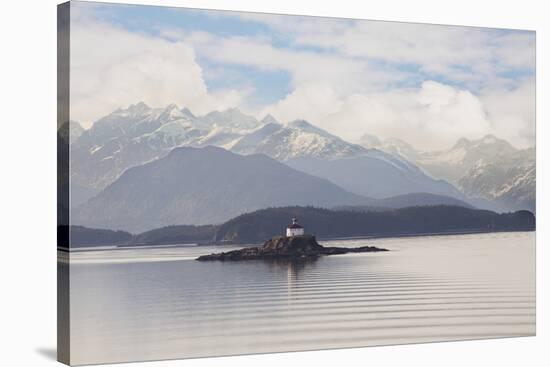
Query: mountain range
point(139, 134)
point(140, 168)
point(488, 168)
point(204, 186)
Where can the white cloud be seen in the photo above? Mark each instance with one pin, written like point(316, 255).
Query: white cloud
point(356, 84)
point(513, 112)
point(430, 117)
point(303, 66)
point(465, 54)
point(346, 76)
point(312, 102)
point(112, 67)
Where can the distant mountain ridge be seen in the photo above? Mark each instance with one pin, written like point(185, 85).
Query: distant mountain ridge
point(408, 200)
point(488, 168)
point(203, 186)
point(375, 174)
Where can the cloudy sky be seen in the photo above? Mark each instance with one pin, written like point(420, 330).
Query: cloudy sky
point(426, 84)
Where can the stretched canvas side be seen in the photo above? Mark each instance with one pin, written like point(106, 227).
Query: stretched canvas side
point(63, 185)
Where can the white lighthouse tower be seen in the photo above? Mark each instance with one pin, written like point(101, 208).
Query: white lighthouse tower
point(294, 229)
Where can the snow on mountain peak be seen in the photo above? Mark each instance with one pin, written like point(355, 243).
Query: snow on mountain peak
point(172, 111)
point(303, 125)
point(461, 143)
point(231, 118)
point(489, 139)
point(132, 111)
point(369, 141)
point(269, 119)
point(171, 106)
point(187, 112)
point(486, 141)
point(138, 108)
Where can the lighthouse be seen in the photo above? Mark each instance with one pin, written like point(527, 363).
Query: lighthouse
point(294, 229)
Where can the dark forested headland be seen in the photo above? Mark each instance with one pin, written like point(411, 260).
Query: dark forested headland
point(176, 234)
point(257, 226)
point(84, 237)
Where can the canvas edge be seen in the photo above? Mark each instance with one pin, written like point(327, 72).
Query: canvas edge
point(63, 117)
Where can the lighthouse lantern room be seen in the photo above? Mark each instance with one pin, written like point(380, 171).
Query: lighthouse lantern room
point(294, 229)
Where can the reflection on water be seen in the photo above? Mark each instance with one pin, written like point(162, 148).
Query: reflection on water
point(144, 304)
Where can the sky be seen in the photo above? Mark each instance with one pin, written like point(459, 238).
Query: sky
point(428, 85)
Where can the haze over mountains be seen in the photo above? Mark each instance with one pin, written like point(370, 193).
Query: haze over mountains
point(375, 174)
point(408, 200)
point(488, 168)
point(127, 174)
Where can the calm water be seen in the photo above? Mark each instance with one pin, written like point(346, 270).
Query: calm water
point(143, 304)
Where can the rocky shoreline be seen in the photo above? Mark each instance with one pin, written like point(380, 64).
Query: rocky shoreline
point(282, 247)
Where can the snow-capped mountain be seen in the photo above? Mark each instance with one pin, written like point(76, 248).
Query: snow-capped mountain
point(393, 146)
point(520, 191)
point(293, 140)
point(452, 164)
point(125, 138)
point(368, 172)
point(510, 180)
point(140, 134)
point(488, 168)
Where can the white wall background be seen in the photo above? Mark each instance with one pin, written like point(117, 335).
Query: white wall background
point(28, 166)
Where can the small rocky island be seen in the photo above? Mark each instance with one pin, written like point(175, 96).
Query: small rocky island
point(286, 247)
